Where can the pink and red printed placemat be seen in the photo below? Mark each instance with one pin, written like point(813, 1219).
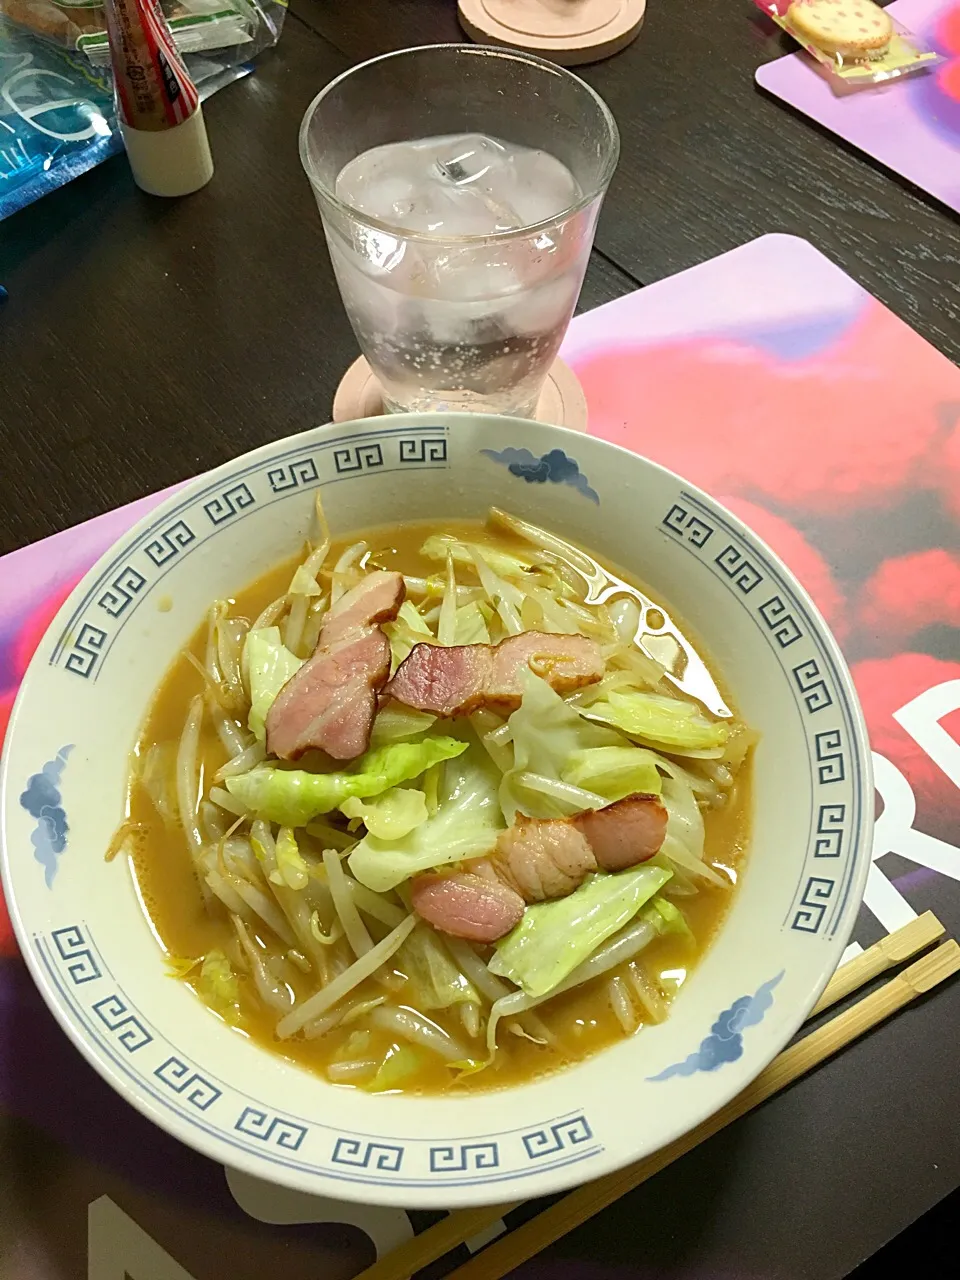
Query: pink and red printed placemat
point(771, 379)
point(913, 125)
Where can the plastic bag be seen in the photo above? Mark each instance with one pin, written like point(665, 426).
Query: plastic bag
point(57, 116)
point(888, 50)
point(197, 25)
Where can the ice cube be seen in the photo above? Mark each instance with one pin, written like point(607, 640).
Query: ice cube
point(470, 158)
point(544, 186)
point(457, 185)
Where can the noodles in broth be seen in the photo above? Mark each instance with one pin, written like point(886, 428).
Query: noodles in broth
point(462, 896)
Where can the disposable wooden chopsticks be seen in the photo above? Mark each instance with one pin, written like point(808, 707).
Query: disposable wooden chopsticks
point(502, 1256)
point(883, 955)
point(525, 1241)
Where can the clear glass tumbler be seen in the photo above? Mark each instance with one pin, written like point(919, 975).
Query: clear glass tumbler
point(468, 313)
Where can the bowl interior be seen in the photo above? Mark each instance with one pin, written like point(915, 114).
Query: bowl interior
point(89, 943)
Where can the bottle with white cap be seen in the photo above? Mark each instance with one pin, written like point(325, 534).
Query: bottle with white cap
point(158, 106)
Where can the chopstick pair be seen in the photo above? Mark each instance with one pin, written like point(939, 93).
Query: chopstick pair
point(510, 1250)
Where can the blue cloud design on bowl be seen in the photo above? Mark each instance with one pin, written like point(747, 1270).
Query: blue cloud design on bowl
point(725, 1041)
point(41, 799)
point(555, 466)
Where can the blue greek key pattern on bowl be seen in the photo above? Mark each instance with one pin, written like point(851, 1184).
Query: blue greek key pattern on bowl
point(157, 1068)
point(72, 947)
point(812, 686)
point(368, 1155)
point(423, 449)
point(830, 756)
point(739, 569)
point(782, 624)
point(466, 1155)
point(831, 821)
point(554, 1138)
point(86, 650)
point(783, 618)
point(121, 591)
point(170, 542)
point(181, 1078)
point(294, 474)
point(813, 904)
point(84, 643)
point(725, 1041)
point(41, 799)
point(680, 521)
point(127, 1028)
point(361, 457)
point(268, 1128)
point(228, 503)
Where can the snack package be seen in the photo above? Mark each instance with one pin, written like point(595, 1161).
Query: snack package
point(855, 39)
point(56, 117)
point(57, 113)
point(197, 25)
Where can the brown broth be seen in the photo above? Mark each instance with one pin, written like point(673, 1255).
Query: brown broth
point(580, 1021)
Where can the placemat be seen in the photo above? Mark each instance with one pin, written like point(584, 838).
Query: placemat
point(912, 126)
point(771, 379)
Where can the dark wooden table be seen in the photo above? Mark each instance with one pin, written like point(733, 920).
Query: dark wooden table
point(143, 342)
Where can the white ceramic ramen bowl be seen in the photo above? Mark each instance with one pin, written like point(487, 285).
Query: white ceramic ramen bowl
point(91, 950)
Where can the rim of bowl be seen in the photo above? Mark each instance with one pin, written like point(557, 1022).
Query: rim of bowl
point(382, 1195)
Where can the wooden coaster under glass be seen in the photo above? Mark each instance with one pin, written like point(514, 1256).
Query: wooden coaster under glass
point(568, 32)
point(561, 402)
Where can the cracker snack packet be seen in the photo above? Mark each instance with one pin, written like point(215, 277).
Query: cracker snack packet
point(855, 39)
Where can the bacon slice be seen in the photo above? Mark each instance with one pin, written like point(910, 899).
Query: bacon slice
point(457, 680)
point(467, 905)
point(330, 703)
point(376, 598)
point(537, 859)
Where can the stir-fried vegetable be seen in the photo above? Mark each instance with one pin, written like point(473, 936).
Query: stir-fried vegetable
point(465, 825)
point(547, 733)
point(218, 985)
point(437, 981)
point(390, 816)
point(614, 772)
point(293, 796)
point(660, 720)
point(554, 937)
point(270, 664)
point(310, 868)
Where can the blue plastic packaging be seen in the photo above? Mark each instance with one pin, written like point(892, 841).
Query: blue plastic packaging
point(56, 117)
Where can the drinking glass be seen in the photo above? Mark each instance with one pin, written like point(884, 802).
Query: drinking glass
point(468, 321)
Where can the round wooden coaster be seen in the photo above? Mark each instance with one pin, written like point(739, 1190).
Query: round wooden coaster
point(561, 401)
point(567, 32)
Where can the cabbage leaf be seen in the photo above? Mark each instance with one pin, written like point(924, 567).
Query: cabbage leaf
point(395, 722)
point(402, 1061)
point(218, 985)
point(436, 981)
point(614, 772)
point(667, 918)
point(389, 816)
point(471, 625)
point(270, 665)
point(439, 546)
point(546, 733)
point(407, 630)
point(291, 869)
point(661, 721)
point(466, 825)
point(554, 937)
point(293, 797)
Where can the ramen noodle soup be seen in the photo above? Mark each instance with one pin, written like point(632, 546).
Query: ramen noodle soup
point(424, 812)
